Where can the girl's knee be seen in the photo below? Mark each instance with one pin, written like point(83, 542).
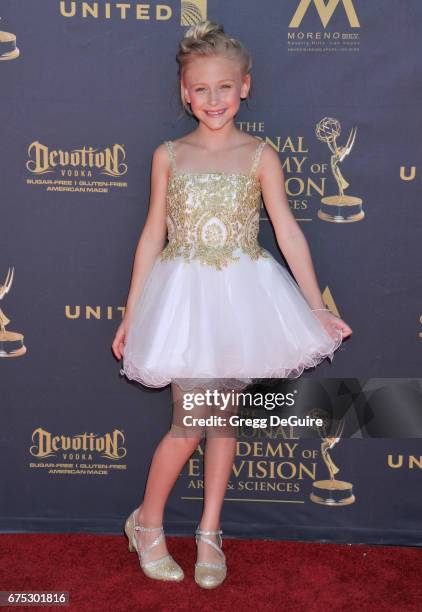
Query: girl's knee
point(186, 436)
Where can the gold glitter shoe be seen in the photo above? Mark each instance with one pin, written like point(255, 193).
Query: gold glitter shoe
point(164, 568)
point(210, 575)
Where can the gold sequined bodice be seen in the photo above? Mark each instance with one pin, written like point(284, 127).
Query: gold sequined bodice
point(213, 216)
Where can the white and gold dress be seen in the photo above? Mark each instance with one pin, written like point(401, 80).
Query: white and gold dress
point(217, 308)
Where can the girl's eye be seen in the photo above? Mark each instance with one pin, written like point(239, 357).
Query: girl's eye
point(199, 89)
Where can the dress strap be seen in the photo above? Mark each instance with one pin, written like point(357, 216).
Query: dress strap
point(170, 150)
point(257, 155)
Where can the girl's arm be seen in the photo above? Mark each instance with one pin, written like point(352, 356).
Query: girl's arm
point(290, 237)
point(292, 241)
point(153, 235)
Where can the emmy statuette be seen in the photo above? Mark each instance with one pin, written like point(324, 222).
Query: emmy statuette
point(339, 208)
point(8, 48)
point(331, 492)
point(11, 343)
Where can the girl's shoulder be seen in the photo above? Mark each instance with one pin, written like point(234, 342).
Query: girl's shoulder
point(162, 156)
point(160, 151)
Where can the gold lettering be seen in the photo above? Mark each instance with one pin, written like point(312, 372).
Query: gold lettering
point(407, 175)
point(123, 10)
point(109, 161)
point(397, 464)
point(415, 462)
point(325, 12)
point(47, 445)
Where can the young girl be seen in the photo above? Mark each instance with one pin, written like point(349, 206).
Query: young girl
point(213, 308)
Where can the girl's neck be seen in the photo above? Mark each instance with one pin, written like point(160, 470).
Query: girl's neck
point(216, 140)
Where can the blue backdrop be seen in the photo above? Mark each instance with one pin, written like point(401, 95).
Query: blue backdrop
point(87, 91)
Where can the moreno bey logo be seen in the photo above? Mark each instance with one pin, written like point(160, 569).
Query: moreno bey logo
point(325, 12)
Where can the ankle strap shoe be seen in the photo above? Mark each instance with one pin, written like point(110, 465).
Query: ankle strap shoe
point(164, 568)
point(210, 575)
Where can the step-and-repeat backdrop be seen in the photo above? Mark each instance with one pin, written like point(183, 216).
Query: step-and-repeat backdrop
point(87, 91)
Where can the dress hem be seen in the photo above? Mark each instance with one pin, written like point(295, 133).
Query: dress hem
point(147, 379)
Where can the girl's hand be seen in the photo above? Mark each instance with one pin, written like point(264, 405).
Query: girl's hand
point(332, 323)
point(119, 341)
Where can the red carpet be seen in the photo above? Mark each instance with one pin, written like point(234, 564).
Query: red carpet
point(100, 574)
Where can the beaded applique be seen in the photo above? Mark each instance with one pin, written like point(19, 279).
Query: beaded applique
point(211, 216)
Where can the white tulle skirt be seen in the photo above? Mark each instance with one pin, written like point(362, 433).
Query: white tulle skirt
point(201, 327)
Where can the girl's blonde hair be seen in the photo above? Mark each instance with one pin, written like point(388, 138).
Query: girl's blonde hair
point(208, 38)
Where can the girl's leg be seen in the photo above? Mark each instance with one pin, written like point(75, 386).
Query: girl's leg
point(218, 463)
point(168, 460)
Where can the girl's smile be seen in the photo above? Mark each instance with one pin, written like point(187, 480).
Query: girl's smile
point(215, 113)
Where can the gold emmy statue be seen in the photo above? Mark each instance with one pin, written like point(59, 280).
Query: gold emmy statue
point(331, 492)
point(8, 48)
point(339, 208)
point(11, 343)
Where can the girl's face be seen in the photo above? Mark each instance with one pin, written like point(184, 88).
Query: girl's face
point(214, 87)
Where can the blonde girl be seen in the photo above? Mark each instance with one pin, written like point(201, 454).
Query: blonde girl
point(212, 304)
